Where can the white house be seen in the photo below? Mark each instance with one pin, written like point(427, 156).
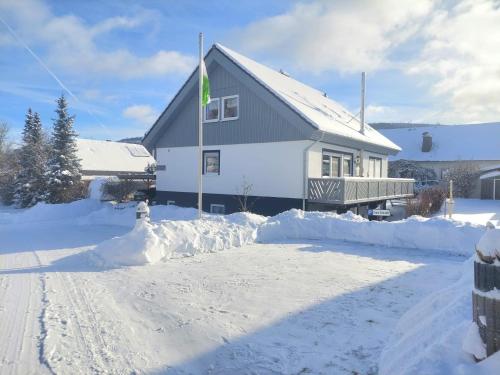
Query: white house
point(268, 136)
point(443, 147)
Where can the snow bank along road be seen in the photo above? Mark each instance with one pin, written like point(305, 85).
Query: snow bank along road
point(287, 308)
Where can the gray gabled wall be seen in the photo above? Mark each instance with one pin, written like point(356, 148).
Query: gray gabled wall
point(259, 121)
point(263, 116)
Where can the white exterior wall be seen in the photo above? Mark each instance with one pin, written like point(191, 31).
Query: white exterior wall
point(316, 152)
point(274, 169)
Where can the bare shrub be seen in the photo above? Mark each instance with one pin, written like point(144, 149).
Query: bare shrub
point(121, 190)
point(435, 196)
point(464, 177)
point(418, 206)
point(428, 202)
point(243, 194)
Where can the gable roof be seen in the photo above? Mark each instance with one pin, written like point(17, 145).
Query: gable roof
point(107, 156)
point(449, 142)
point(319, 111)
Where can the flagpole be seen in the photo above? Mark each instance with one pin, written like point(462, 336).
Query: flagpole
point(200, 130)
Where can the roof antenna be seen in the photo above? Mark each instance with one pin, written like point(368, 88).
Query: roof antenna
point(362, 110)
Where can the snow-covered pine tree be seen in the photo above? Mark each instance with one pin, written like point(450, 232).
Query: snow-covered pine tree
point(30, 182)
point(64, 174)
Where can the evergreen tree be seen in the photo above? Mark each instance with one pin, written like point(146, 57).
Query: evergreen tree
point(30, 183)
point(64, 174)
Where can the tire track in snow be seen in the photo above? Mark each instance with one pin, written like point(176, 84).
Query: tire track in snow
point(42, 319)
point(94, 341)
point(19, 316)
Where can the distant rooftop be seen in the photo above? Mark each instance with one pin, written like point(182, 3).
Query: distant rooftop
point(112, 156)
point(449, 142)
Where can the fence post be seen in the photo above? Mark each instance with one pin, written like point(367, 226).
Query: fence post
point(485, 297)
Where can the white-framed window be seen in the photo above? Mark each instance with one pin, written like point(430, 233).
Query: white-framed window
point(170, 203)
point(211, 162)
point(230, 107)
point(212, 109)
point(336, 164)
point(217, 209)
point(374, 167)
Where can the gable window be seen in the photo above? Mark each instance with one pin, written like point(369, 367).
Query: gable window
point(211, 162)
point(336, 164)
point(230, 107)
point(217, 209)
point(212, 110)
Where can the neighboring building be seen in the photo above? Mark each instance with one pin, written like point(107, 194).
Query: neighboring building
point(284, 143)
point(106, 158)
point(443, 147)
point(490, 182)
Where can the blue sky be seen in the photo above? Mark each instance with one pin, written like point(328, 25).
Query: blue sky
point(426, 61)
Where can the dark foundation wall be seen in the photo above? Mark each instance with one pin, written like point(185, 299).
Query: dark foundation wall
point(267, 206)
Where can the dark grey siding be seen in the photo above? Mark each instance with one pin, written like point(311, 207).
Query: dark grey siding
point(263, 116)
point(267, 206)
point(487, 186)
point(258, 120)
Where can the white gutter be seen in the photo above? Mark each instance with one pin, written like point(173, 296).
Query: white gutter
point(306, 170)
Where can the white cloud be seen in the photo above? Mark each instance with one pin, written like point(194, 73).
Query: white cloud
point(143, 114)
point(68, 42)
point(461, 54)
point(331, 35)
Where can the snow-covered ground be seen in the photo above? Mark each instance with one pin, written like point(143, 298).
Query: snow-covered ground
point(316, 304)
point(477, 211)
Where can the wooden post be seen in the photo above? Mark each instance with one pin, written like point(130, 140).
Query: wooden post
point(486, 305)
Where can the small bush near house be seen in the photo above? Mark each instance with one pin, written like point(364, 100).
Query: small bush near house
point(121, 190)
point(464, 177)
point(428, 202)
point(435, 196)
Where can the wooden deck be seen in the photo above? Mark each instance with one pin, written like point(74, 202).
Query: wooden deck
point(353, 190)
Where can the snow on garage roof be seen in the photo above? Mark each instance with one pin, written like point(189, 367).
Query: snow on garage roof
point(107, 156)
point(449, 142)
point(322, 112)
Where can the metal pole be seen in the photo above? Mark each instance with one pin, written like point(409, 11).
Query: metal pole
point(362, 110)
point(450, 208)
point(200, 131)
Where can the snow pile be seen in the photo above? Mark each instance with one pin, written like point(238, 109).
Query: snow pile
point(151, 242)
point(488, 247)
point(428, 338)
point(51, 212)
point(416, 232)
point(123, 214)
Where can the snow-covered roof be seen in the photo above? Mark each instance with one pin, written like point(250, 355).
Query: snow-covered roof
point(107, 156)
point(449, 142)
point(490, 175)
point(319, 110)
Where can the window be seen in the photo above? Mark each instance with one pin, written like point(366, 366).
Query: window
point(211, 162)
point(230, 107)
point(326, 166)
point(336, 164)
point(212, 110)
point(170, 203)
point(375, 167)
point(217, 209)
point(347, 165)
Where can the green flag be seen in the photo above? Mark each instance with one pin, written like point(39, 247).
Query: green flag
point(205, 89)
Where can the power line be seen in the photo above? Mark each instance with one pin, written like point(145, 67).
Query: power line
point(51, 73)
